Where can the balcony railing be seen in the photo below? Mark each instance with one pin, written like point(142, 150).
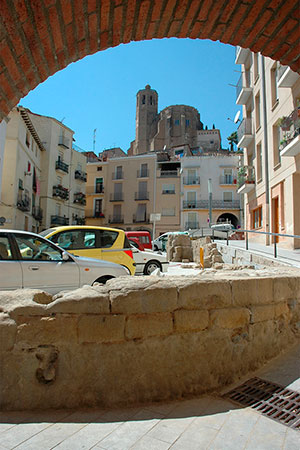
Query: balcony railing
point(90, 213)
point(118, 175)
point(216, 204)
point(60, 191)
point(243, 90)
point(227, 180)
point(191, 225)
point(142, 173)
point(168, 173)
point(141, 196)
point(37, 213)
point(116, 219)
point(80, 175)
point(245, 133)
point(23, 203)
point(59, 220)
point(290, 132)
point(194, 204)
point(60, 165)
point(140, 219)
point(246, 179)
point(79, 197)
point(168, 191)
point(63, 142)
point(117, 197)
point(191, 180)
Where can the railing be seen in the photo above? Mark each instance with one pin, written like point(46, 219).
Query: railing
point(117, 197)
point(91, 213)
point(227, 179)
point(141, 196)
point(116, 219)
point(37, 213)
point(193, 204)
point(138, 219)
point(59, 220)
point(216, 204)
point(60, 191)
point(118, 175)
point(191, 180)
point(246, 174)
point(290, 127)
point(23, 203)
point(60, 165)
point(63, 141)
point(168, 191)
point(168, 173)
point(244, 128)
point(142, 173)
point(191, 225)
point(80, 175)
point(79, 197)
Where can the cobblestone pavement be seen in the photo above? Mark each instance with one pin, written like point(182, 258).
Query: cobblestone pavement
point(208, 422)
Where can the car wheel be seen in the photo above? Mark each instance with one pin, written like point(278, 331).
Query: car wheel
point(150, 266)
point(103, 280)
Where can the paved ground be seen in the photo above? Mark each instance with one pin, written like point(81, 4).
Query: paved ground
point(209, 422)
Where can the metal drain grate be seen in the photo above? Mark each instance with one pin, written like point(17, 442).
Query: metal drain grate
point(270, 399)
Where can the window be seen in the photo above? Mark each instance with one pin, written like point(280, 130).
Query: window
point(274, 89)
point(168, 189)
point(141, 212)
point(150, 101)
point(119, 173)
point(27, 139)
point(99, 169)
point(187, 123)
point(259, 161)
point(5, 250)
point(228, 176)
point(176, 122)
point(99, 185)
point(144, 170)
point(98, 207)
point(276, 145)
point(227, 196)
point(257, 111)
point(143, 99)
point(34, 249)
point(257, 220)
point(76, 239)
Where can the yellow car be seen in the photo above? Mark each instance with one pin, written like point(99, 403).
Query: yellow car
point(110, 244)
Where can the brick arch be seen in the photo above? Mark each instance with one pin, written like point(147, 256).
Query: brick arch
point(41, 37)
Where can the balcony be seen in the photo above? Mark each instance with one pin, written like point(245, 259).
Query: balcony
point(117, 197)
point(224, 204)
point(193, 204)
point(118, 175)
point(59, 220)
point(79, 197)
point(23, 203)
point(290, 134)
point(140, 219)
point(80, 175)
point(191, 225)
point(246, 179)
point(61, 192)
point(37, 213)
point(60, 165)
point(141, 196)
point(286, 77)
point(188, 181)
point(243, 92)
point(241, 55)
point(116, 219)
point(79, 220)
point(168, 174)
point(92, 214)
point(63, 142)
point(245, 133)
point(228, 180)
point(142, 173)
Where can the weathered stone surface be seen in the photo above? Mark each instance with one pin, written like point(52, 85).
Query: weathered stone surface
point(143, 326)
point(47, 330)
point(262, 312)
point(281, 309)
point(191, 320)
point(8, 331)
point(204, 294)
point(87, 299)
point(23, 302)
point(285, 288)
point(101, 328)
point(230, 318)
point(252, 291)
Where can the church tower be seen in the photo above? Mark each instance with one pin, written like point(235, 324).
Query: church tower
point(146, 115)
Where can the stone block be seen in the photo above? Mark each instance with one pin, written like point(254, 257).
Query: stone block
point(143, 326)
point(230, 318)
point(262, 313)
point(47, 330)
point(86, 300)
point(8, 331)
point(252, 291)
point(282, 310)
point(191, 320)
point(100, 328)
point(204, 294)
point(285, 288)
point(24, 302)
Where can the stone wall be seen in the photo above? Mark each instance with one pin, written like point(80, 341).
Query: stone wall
point(141, 339)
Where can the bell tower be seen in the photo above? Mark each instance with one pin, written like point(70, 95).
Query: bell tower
point(146, 114)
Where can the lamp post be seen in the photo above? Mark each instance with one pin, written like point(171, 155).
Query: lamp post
point(209, 185)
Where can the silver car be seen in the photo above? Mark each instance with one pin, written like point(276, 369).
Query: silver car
point(29, 261)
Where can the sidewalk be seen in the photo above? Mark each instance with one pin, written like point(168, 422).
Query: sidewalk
point(209, 422)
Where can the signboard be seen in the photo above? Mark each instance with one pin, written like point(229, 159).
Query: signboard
point(154, 217)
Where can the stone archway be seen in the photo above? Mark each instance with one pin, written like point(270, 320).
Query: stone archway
point(40, 37)
point(230, 218)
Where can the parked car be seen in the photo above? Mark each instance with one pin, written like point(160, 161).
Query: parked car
point(27, 260)
point(136, 243)
point(222, 227)
point(148, 261)
point(160, 243)
point(144, 237)
point(110, 244)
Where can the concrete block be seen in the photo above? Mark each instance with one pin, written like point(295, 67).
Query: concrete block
point(101, 328)
point(230, 318)
point(191, 320)
point(144, 326)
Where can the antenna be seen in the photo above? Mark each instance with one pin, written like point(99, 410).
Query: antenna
point(94, 139)
point(237, 117)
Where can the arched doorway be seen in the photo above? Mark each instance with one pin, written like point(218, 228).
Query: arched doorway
point(228, 218)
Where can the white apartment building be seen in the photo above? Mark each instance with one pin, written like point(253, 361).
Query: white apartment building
point(269, 133)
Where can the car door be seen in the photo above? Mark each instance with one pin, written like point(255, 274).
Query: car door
point(43, 266)
point(10, 267)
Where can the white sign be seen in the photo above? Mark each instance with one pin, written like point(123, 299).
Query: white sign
point(154, 217)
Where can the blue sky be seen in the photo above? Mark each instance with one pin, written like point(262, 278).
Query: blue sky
point(100, 90)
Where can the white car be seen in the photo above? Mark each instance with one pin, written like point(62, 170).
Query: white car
point(160, 243)
point(147, 262)
point(29, 261)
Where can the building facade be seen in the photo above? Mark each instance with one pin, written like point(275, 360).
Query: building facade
point(269, 176)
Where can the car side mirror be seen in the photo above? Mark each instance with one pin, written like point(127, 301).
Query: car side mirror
point(65, 256)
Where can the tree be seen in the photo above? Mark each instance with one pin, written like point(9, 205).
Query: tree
point(233, 140)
